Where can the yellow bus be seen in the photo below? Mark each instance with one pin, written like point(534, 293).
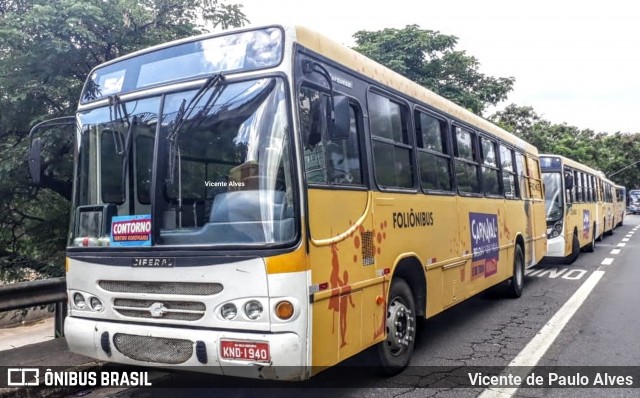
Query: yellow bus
point(620, 204)
point(578, 206)
point(265, 202)
point(608, 205)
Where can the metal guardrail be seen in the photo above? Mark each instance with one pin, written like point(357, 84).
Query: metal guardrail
point(15, 296)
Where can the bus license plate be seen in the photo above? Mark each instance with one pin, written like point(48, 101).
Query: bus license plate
point(245, 350)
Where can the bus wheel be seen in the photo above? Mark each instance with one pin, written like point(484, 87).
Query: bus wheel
point(575, 250)
point(591, 247)
point(394, 352)
point(516, 283)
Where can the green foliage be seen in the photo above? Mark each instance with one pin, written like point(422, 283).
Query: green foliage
point(429, 58)
point(47, 49)
point(609, 153)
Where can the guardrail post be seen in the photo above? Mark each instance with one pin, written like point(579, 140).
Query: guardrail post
point(60, 313)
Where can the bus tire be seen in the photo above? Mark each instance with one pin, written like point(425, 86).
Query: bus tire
point(575, 250)
point(591, 247)
point(516, 282)
point(395, 351)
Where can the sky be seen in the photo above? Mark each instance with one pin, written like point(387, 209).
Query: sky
point(574, 62)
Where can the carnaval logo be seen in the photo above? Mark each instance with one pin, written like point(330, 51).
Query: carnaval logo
point(484, 244)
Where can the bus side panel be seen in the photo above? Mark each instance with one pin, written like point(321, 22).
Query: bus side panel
point(342, 274)
point(423, 227)
point(487, 229)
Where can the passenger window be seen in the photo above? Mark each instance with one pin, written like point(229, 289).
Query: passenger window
point(523, 176)
point(466, 161)
point(433, 152)
point(391, 147)
point(490, 172)
point(508, 172)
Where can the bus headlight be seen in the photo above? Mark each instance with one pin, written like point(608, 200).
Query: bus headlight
point(253, 309)
point(78, 301)
point(229, 311)
point(96, 304)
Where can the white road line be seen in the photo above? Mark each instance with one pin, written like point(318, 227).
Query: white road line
point(616, 251)
point(607, 261)
point(625, 239)
point(622, 244)
point(536, 348)
point(628, 236)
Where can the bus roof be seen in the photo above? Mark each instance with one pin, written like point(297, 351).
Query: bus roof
point(373, 70)
point(574, 164)
point(364, 66)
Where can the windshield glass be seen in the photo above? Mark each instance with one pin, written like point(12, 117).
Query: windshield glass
point(228, 175)
point(105, 185)
point(222, 168)
point(553, 196)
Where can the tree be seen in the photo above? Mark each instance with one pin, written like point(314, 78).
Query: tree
point(429, 58)
point(608, 153)
point(47, 49)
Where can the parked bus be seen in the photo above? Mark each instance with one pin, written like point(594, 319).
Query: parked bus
point(621, 204)
point(608, 205)
point(265, 202)
point(579, 207)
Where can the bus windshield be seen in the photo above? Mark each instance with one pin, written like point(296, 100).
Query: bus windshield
point(553, 196)
point(224, 168)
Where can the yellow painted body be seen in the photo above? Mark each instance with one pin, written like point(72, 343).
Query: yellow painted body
point(349, 315)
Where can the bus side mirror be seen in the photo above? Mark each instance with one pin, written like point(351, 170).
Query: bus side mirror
point(340, 127)
point(35, 161)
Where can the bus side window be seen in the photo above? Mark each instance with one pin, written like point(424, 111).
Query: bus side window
point(466, 161)
point(490, 173)
point(523, 178)
point(433, 152)
point(508, 172)
point(392, 148)
point(328, 161)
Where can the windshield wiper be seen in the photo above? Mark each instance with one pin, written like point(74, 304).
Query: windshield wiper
point(125, 155)
point(117, 111)
point(186, 112)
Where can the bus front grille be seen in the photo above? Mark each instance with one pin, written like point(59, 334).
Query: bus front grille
point(153, 349)
point(174, 310)
point(175, 288)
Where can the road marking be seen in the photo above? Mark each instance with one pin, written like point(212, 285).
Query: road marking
point(536, 348)
point(616, 251)
point(625, 239)
point(622, 244)
point(607, 261)
point(629, 236)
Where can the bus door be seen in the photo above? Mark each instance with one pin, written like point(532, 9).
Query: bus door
point(341, 238)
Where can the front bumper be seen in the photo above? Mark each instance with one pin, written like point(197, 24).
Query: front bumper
point(555, 246)
point(168, 347)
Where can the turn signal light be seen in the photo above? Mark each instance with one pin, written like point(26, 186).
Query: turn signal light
point(284, 310)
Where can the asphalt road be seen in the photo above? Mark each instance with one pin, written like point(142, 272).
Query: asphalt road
point(487, 333)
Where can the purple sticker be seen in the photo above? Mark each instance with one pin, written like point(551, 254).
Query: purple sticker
point(484, 244)
point(586, 223)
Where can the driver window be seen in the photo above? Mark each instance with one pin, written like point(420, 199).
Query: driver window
point(327, 161)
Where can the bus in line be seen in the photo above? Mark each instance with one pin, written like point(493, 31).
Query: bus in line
point(620, 205)
point(579, 204)
point(611, 205)
point(265, 202)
